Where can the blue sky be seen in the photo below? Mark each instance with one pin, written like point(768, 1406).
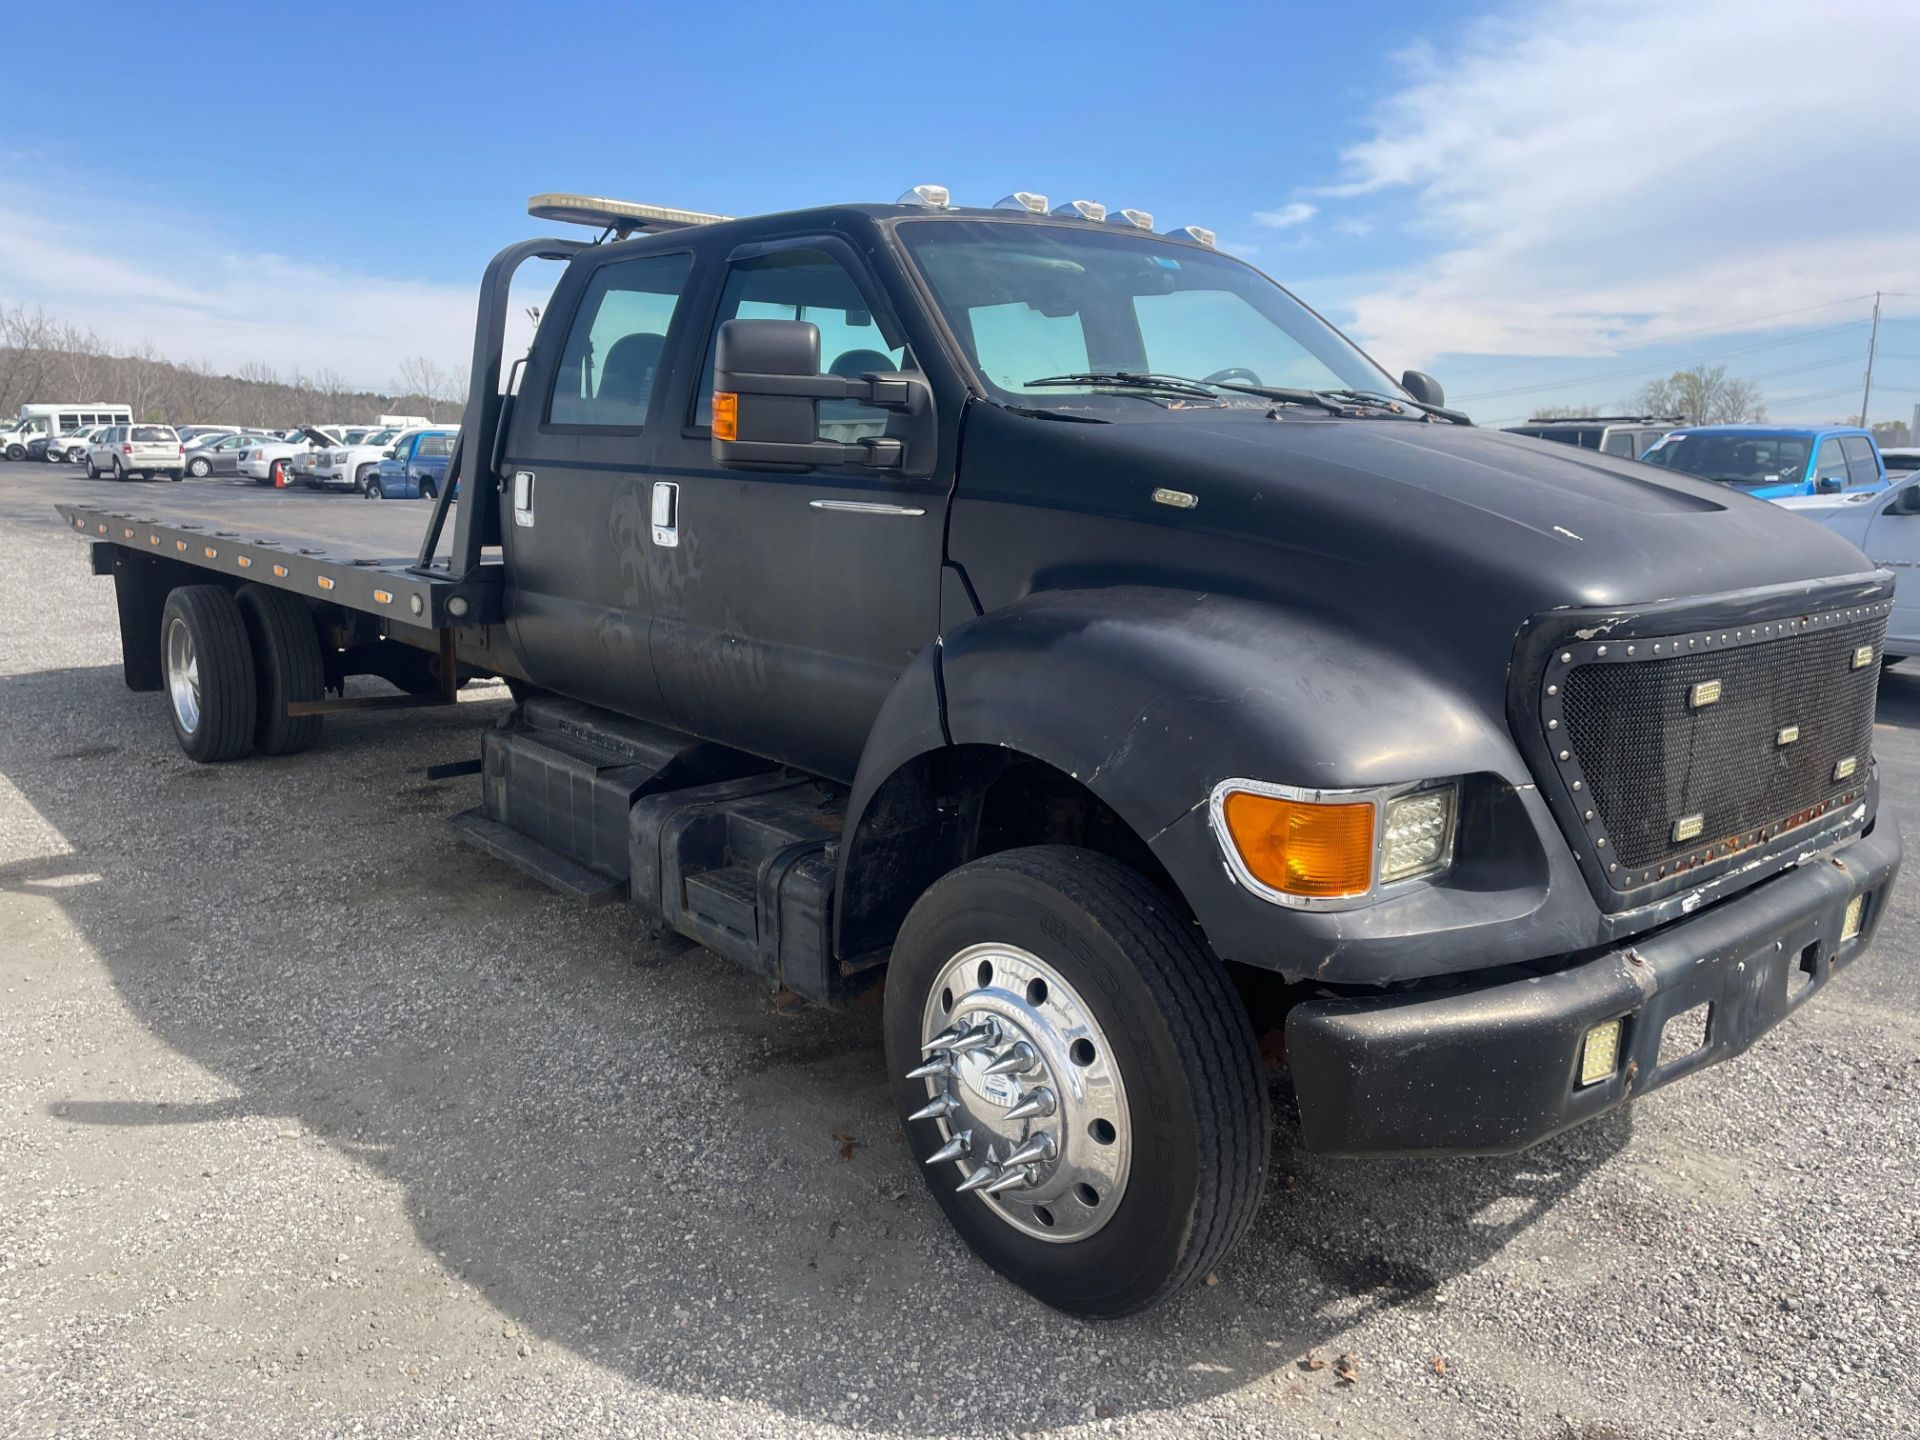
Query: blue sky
point(1542, 204)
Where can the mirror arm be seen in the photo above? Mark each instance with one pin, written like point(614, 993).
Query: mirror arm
point(877, 452)
point(887, 391)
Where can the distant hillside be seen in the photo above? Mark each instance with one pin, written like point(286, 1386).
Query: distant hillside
point(43, 362)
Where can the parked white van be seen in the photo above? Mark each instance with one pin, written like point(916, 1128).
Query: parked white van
point(51, 420)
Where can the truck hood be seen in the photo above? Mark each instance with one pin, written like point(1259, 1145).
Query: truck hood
point(1439, 536)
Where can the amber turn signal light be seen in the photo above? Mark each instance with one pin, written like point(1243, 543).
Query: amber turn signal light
point(1301, 848)
point(726, 415)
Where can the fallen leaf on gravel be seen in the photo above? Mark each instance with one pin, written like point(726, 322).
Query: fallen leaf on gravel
point(1104, 1412)
point(1439, 1364)
point(1313, 1362)
point(833, 1228)
point(1212, 1279)
point(847, 1144)
point(1347, 1370)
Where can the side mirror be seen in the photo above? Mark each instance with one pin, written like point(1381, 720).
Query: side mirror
point(392, 452)
point(766, 382)
point(1827, 485)
point(1905, 501)
point(1423, 387)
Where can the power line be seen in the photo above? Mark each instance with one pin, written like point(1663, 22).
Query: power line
point(1663, 365)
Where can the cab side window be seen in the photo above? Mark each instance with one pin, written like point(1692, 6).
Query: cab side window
point(618, 339)
point(1830, 464)
point(1863, 470)
point(435, 445)
point(810, 285)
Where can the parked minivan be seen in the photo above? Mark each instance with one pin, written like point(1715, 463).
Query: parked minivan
point(1775, 461)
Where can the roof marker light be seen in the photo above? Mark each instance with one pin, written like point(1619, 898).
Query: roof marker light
point(1081, 210)
point(927, 197)
point(1199, 234)
point(1142, 219)
point(1022, 200)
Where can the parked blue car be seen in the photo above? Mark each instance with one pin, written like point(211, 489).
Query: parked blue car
point(1775, 461)
point(414, 468)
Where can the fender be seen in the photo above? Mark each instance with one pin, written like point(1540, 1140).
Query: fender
point(1151, 696)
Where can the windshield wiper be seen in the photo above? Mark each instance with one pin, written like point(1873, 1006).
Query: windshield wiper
point(1130, 380)
point(1185, 385)
point(1379, 401)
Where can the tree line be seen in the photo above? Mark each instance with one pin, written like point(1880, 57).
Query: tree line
point(43, 360)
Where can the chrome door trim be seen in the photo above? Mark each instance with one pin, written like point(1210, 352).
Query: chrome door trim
point(866, 507)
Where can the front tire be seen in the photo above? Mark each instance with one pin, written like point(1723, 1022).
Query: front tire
point(1148, 1166)
point(199, 468)
point(375, 491)
point(211, 683)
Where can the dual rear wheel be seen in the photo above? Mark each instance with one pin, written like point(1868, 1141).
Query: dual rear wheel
point(232, 663)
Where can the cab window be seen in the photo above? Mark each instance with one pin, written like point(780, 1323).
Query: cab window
point(434, 445)
point(807, 284)
point(618, 338)
point(1830, 464)
point(1863, 471)
point(1617, 442)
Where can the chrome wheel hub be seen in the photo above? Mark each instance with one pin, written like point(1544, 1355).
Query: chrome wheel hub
point(183, 676)
point(1026, 1092)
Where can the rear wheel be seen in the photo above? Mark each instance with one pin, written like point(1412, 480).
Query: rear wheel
point(210, 673)
point(119, 470)
point(289, 667)
point(1079, 1078)
point(199, 467)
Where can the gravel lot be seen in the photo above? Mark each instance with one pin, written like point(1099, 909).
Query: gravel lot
point(313, 1122)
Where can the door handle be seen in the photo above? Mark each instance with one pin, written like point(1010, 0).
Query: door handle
point(666, 514)
point(523, 497)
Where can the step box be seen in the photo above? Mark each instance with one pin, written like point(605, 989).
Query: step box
point(746, 867)
point(564, 776)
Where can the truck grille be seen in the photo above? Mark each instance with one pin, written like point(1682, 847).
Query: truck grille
point(1686, 750)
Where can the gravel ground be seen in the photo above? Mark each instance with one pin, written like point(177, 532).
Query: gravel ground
point(313, 1122)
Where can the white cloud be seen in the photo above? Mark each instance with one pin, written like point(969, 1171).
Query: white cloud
point(1596, 176)
point(153, 277)
point(1287, 216)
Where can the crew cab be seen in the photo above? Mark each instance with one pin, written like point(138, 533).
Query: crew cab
point(1059, 627)
point(413, 467)
point(1773, 462)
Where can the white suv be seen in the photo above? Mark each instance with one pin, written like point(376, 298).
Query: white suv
point(123, 451)
point(270, 462)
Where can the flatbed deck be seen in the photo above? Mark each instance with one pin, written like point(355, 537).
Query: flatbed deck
point(306, 555)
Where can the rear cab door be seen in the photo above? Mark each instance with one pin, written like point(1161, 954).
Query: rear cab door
point(582, 437)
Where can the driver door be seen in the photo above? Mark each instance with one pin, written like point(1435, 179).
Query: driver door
point(789, 602)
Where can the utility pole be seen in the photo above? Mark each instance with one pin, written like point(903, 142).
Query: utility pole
point(1873, 344)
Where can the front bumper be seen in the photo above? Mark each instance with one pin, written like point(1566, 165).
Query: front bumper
point(1496, 1069)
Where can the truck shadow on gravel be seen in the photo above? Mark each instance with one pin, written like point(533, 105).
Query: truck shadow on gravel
point(623, 1145)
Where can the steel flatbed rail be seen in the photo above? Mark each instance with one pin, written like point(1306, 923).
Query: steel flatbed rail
point(394, 590)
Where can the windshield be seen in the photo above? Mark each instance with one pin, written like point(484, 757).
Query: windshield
point(1735, 459)
point(1036, 302)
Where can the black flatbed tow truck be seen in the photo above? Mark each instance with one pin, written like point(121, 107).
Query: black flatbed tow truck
point(1061, 626)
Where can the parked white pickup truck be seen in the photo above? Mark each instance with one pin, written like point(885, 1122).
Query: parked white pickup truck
point(270, 462)
point(351, 463)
